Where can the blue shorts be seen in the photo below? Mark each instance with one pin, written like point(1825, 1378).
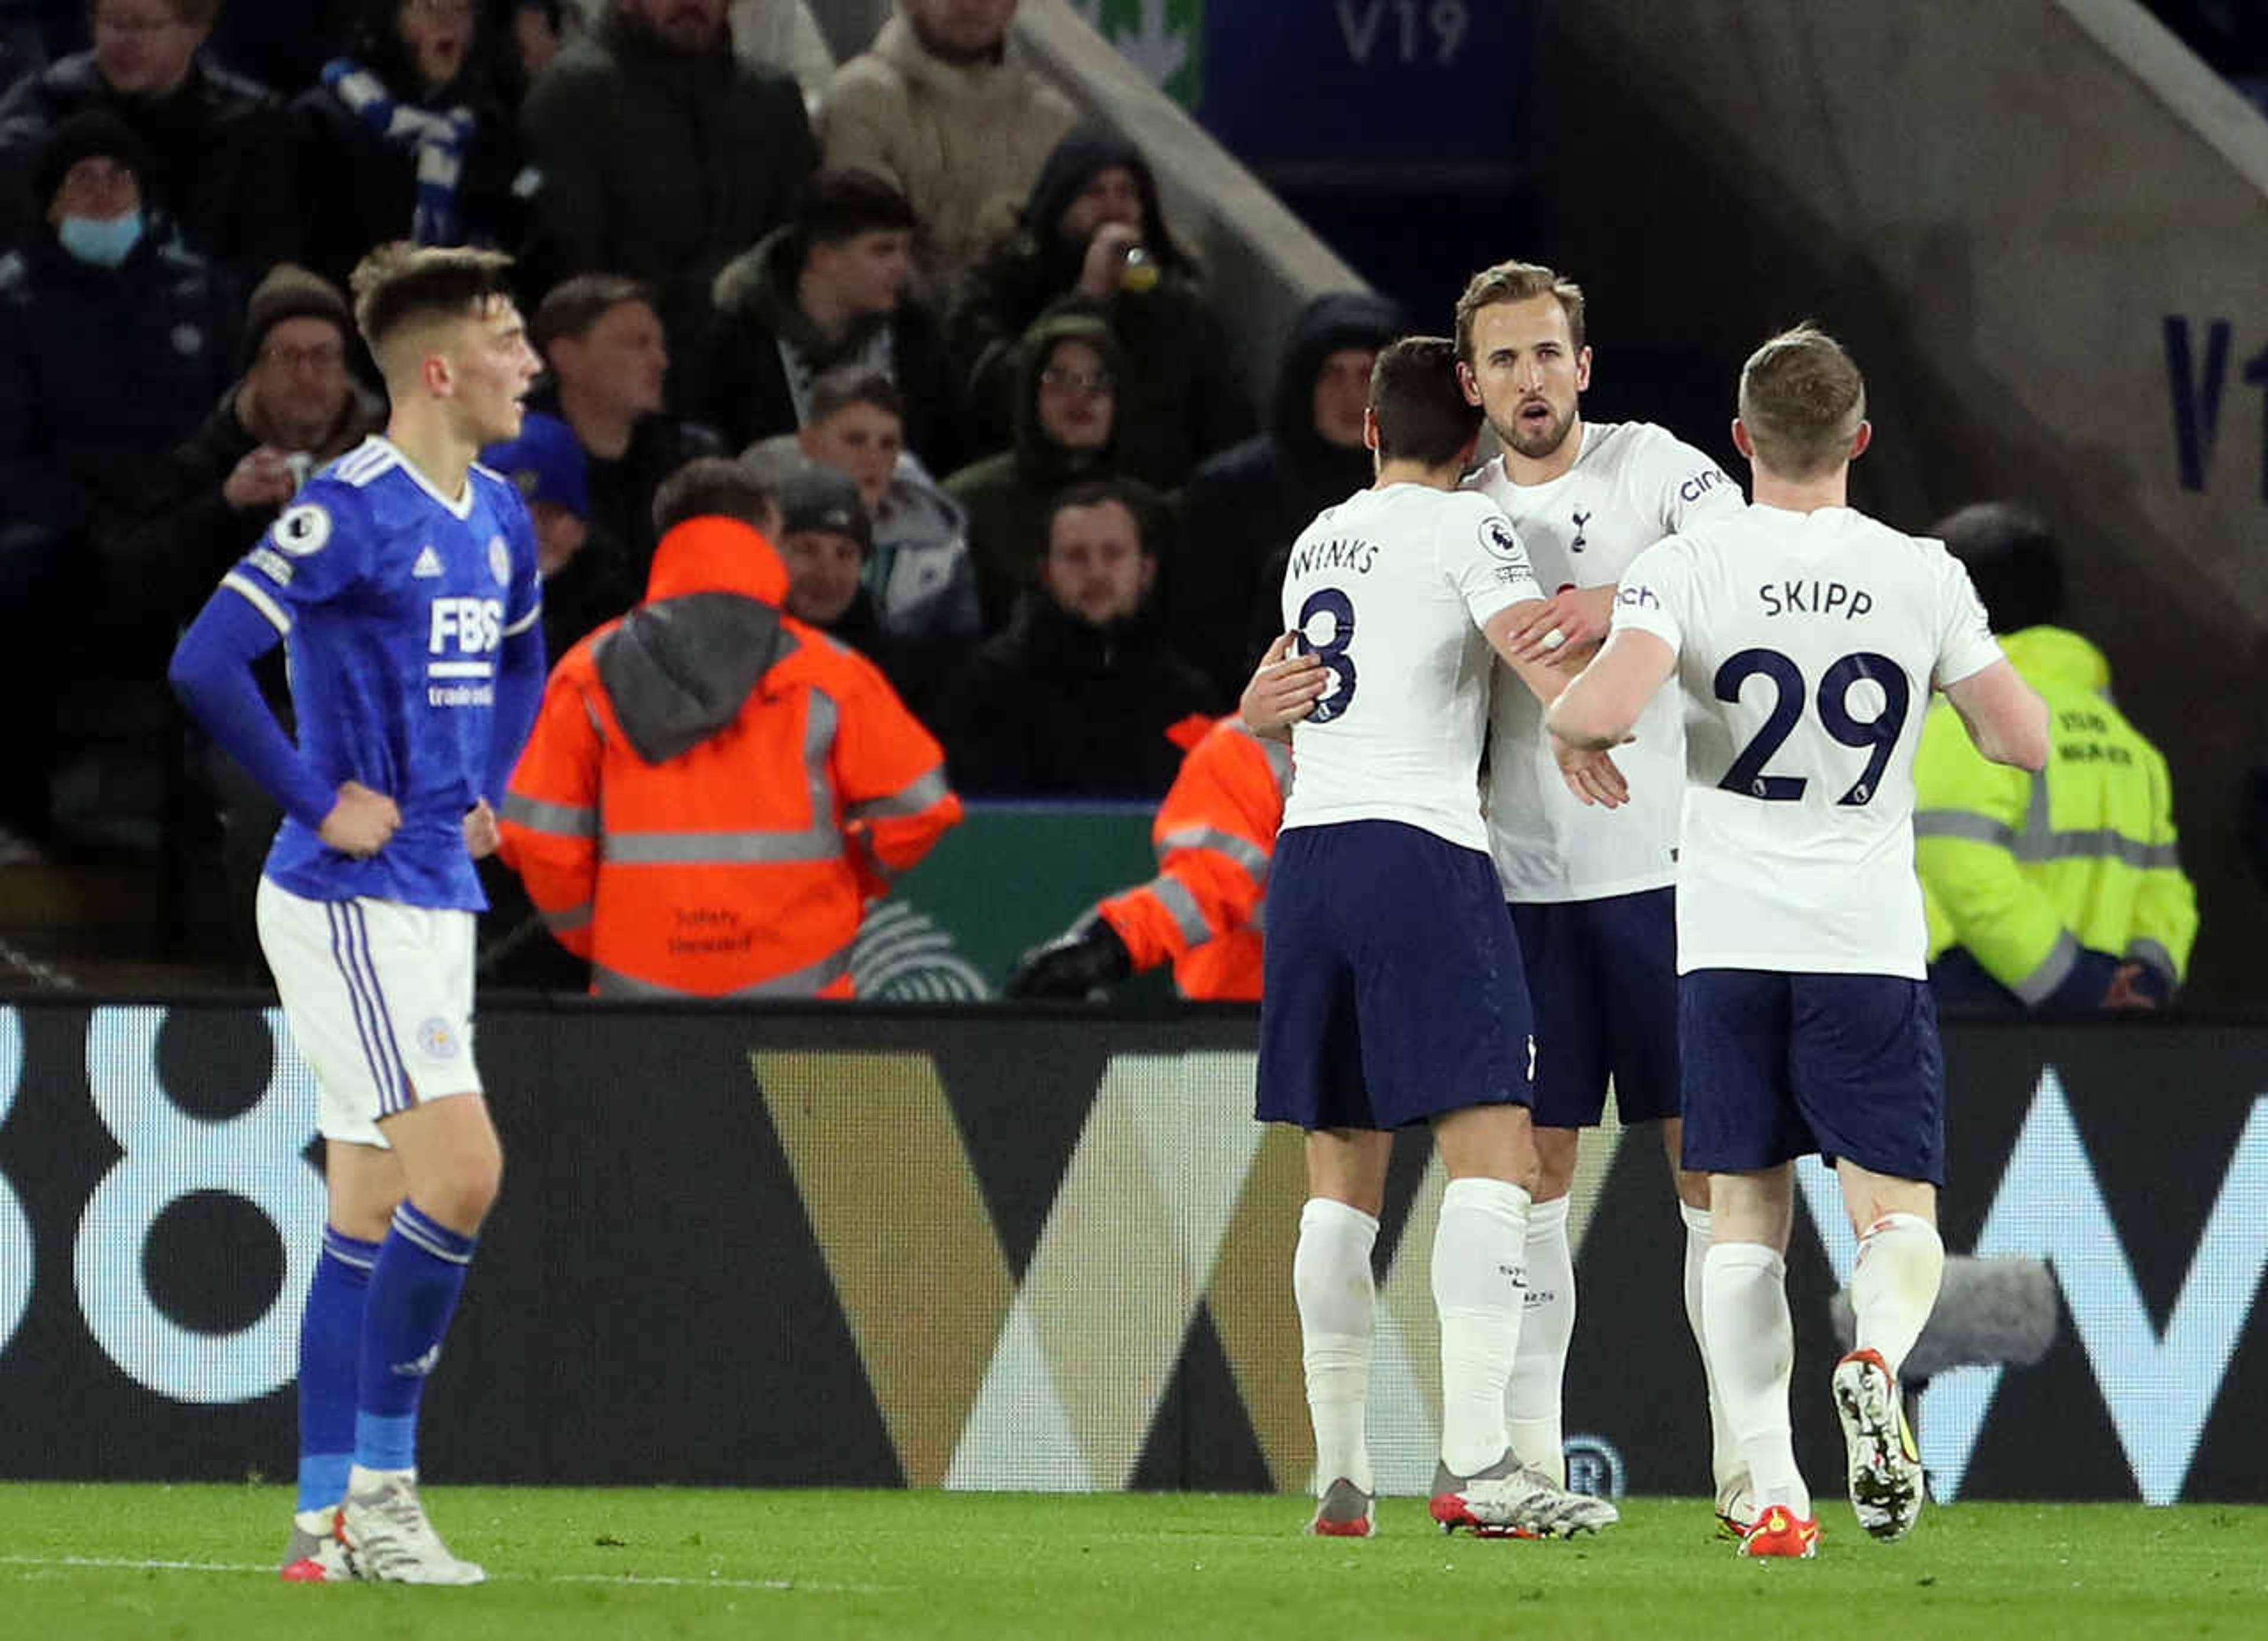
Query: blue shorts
point(1779, 1066)
point(1602, 976)
point(1391, 988)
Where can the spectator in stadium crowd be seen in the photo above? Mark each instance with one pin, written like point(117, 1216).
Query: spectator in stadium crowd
point(2060, 890)
point(1094, 242)
point(664, 156)
point(1076, 698)
point(714, 790)
point(409, 140)
point(602, 338)
point(296, 407)
point(919, 570)
point(114, 341)
point(586, 572)
point(942, 105)
point(826, 291)
point(773, 33)
point(1066, 419)
point(1242, 508)
point(1215, 836)
point(220, 159)
point(826, 538)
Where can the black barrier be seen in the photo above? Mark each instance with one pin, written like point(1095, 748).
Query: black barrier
point(979, 1249)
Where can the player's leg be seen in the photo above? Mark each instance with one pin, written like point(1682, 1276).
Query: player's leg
point(414, 974)
point(1872, 1079)
point(1332, 1284)
point(1729, 1469)
point(1743, 1127)
point(1559, 962)
point(1310, 1076)
point(363, 1183)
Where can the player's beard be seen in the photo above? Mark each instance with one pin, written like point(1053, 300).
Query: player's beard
point(1536, 446)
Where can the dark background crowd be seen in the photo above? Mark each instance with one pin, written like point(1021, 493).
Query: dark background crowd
point(930, 282)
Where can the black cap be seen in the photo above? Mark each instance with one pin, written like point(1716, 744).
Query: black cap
point(84, 136)
point(821, 498)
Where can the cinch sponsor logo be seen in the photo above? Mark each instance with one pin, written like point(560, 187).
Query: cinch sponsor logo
point(1700, 484)
point(1638, 598)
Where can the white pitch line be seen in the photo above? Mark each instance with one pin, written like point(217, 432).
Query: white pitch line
point(662, 1581)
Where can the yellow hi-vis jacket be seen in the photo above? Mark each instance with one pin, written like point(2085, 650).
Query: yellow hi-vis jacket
point(2024, 871)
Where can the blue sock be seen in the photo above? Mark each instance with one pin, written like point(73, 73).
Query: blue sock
point(413, 1291)
point(330, 1348)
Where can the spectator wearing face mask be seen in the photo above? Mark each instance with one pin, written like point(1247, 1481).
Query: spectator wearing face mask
point(220, 161)
point(114, 342)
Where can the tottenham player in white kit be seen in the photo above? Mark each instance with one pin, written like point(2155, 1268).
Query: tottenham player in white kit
point(1806, 638)
point(1392, 992)
point(404, 579)
point(1591, 892)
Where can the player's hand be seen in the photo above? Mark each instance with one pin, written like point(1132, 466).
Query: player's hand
point(361, 822)
point(1106, 258)
point(482, 837)
point(1282, 690)
point(1592, 775)
point(262, 479)
point(1566, 630)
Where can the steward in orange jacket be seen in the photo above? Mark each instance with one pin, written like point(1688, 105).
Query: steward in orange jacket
point(1215, 834)
point(714, 790)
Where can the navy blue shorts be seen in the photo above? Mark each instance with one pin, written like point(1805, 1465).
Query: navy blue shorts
point(1391, 989)
point(1602, 976)
point(1779, 1066)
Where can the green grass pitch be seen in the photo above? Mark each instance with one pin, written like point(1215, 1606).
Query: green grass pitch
point(165, 1561)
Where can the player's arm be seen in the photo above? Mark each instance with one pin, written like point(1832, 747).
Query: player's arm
point(1601, 704)
point(211, 672)
point(1566, 630)
point(2005, 716)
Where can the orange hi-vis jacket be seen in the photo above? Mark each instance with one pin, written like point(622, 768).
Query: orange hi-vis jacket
point(713, 789)
point(1215, 836)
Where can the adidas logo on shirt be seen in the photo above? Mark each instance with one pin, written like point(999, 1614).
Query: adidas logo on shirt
point(429, 562)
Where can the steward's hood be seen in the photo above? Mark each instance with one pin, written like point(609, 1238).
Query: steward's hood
point(2057, 655)
point(680, 667)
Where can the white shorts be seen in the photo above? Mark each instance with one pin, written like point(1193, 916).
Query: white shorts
point(380, 999)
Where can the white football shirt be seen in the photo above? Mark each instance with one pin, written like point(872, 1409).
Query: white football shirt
point(1391, 588)
point(1807, 647)
point(1632, 483)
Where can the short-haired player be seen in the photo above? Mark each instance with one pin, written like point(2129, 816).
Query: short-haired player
point(1392, 992)
point(1805, 638)
point(1592, 894)
point(404, 581)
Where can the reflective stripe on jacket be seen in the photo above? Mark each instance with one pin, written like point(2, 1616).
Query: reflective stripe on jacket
point(739, 866)
point(2025, 871)
point(1215, 836)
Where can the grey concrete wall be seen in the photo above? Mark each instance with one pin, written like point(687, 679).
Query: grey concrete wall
point(1999, 206)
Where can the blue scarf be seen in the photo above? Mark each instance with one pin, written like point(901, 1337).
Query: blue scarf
point(436, 138)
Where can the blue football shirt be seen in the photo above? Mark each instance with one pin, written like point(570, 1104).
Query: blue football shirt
point(394, 603)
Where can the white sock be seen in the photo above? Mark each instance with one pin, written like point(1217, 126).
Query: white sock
point(1894, 1285)
point(1479, 1248)
point(1726, 1464)
point(1332, 1283)
point(1532, 1403)
point(1752, 1347)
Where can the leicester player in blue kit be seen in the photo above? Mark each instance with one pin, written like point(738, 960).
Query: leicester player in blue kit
point(404, 581)
point(1805, 638)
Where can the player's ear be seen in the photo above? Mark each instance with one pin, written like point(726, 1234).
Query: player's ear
point(1860, 439)
point(436, 375)
point(1370, 425)
point(1742, 442)
point(1466, 381)
point(1582, 369)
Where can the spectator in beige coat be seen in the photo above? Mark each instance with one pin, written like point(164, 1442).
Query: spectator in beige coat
point(942, 105)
